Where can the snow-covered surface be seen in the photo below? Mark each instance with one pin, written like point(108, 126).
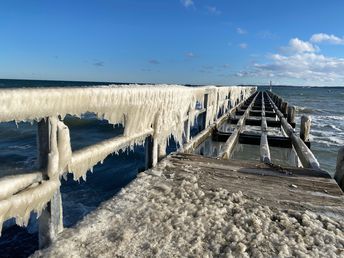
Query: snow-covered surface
point(169, 213)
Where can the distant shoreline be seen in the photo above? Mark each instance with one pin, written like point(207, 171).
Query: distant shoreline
point(49, 83)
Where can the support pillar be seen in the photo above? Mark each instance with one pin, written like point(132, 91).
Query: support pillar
point(291, 115)
point(305, 128)
point(50, 221)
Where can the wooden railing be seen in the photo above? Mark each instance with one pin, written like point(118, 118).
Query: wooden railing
point(23, 193)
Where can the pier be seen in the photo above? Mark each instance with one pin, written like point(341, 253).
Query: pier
point(187, 196)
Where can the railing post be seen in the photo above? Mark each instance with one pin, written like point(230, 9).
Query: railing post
point(51, 220)
point(149, 152)
point(187, 127)
point(339, 174)
point(205, 114)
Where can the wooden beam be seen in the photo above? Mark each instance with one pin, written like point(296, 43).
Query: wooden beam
point(264, 144)
point(254, 139)
point(233, 139)
point(305, 155)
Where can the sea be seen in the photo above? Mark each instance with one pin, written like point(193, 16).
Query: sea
point(18, 151)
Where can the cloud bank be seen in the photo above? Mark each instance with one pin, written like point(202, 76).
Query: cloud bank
point(302, 60)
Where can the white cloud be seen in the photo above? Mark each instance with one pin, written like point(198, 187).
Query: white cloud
point(299, 46)
point(243, 45)
point(187, 3)
point(302, 62)
point(213, 10)
point(323, 37)
point(241, 31)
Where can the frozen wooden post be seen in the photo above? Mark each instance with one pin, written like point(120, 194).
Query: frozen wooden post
point(50, 222)
point(205, 114)
point(339, 175)
point(148, 152)
point(291, 115)
point(187, 127)
point(284, 108)
point(305, 128)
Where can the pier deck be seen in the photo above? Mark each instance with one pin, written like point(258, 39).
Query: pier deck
point(194, 205)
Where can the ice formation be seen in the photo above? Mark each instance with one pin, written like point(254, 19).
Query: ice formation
point(142, 109)
point(10, 185)
point(20, 205)
point(172, 215)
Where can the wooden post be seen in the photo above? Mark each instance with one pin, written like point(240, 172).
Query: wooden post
point(187, 127)
point(284, 108)
point(148, 152)
point(205, 114)
point(51, 221)
point(291, 115)
point(305, 128)
point(339, 175)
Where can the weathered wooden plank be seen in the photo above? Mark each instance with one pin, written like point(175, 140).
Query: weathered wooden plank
point(254, 139)
point(264, 145)
point(287, 188)
point(233, 139)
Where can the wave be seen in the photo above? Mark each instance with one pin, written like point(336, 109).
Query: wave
point(307, 110)
point(20, 147)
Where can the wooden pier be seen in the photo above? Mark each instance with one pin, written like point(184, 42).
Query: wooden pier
point(300, 187)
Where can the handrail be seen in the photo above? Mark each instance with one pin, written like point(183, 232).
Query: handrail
point(144, 110)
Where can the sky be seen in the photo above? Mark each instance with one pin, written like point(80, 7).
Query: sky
point(294, 42)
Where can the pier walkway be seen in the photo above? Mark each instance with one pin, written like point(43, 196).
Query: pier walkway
point(190, 205)
point(198, 201)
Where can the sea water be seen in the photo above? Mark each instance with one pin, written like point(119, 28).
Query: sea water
point(18, 150)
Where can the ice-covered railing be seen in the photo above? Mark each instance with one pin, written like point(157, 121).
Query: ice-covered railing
point(150, 114)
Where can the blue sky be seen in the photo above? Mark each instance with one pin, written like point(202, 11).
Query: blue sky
point(174, 41)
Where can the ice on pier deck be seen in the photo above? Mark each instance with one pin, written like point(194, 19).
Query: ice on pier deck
point(195, 206)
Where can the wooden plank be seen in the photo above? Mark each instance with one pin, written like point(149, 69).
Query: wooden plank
point(203, 135)
point(254, 139)
point(287, 188)
point(233, 139)
point(264, 145)
point(257, 122)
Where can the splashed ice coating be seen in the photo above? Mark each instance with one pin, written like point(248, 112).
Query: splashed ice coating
point(139, 108)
